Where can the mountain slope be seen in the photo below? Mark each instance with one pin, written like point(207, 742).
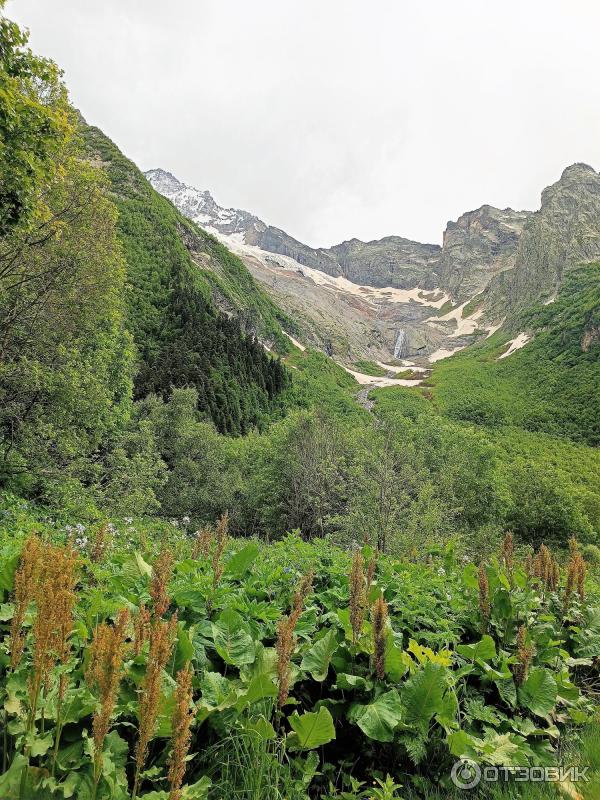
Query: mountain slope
point(550, 383)
point(365, 299)
point(380, 299)
point(564, 233)
point(192, 306)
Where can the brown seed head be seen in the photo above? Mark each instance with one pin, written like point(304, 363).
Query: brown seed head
point(575, 576)
point(55, 601)
point(101, 543)
point(181, 724)
point(162, 634)
point(573, 546)
point(141, 626)
point(286, 641)
point(524, 655)
point(161, 574)
point(379, 615)
point(26, 579)
point(371, 569)
point(202, 542)
point(508, 550)
point(357, 595)
point(107, 654)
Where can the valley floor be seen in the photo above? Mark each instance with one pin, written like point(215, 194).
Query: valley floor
point(315, 672)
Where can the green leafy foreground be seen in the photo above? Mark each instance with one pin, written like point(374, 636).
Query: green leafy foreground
point(493, 666)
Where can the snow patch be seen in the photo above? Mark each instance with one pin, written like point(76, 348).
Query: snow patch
point(295, 341)
point(493, 328)
point(443, 353)
point(404, 366)
point(464, 326)
point(515, 344)
point(380, 382)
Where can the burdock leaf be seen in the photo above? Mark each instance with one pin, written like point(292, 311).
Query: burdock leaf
point(311, 729)
point(539, 691)
point(316, 660)
point(379, 719)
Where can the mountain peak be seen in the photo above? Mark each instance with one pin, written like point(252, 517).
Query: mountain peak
point(579, 168)
point(165, 180)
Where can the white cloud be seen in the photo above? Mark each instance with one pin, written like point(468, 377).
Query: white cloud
point(340, 118)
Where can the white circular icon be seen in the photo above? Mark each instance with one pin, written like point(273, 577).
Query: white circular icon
point(466, 774)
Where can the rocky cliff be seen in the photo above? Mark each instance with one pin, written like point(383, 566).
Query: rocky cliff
point(363, 298)
point(564, 232)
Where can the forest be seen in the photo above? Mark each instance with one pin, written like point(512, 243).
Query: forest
point(221, 576)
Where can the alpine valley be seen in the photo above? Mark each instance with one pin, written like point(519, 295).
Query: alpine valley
point(396, 299)
point(286, 523)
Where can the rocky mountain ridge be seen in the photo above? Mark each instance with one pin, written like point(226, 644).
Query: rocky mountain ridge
point(395, 298)
point(481, 241)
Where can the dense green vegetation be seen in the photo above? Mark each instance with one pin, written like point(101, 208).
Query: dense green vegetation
point(369, 368)
point(552, 384)
point(34, 126)
point(314, 670)
point(108, 296)
point(343, 644)
point(174, 272)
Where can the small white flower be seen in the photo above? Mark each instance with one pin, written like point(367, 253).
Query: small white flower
point(174, 523)
point(441, 571)
point(128, 520)
point(185, 520)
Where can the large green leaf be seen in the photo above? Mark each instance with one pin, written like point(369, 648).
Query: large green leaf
point(587, 638)
point(379, 719)
point(9, 782)
point(232, 639)
point(310, 730)
point(218, 692)
point(396, 661)
point(316, 660)
point(423, 695)
point(240, 562)
point(197, 790)
point(538, 693)
point(143, 566)
point(260, 686)
point(345, 680)
point(9, 561)
point(484, 649)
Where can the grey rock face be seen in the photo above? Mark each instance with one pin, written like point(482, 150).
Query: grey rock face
point(478, 246)
point(508, 259)
point(392, 261)
point(564, 233)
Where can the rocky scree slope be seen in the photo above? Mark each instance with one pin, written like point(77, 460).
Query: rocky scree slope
point(395, 299)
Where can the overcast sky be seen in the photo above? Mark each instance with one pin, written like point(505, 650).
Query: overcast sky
point(338, 118)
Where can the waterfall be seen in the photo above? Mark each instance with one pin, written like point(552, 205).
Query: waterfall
point(399, 349)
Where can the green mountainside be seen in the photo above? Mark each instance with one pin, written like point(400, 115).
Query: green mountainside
point(228, 570)
point(178, 279)
point(552, 384)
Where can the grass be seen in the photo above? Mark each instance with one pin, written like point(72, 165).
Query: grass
point(369, 368)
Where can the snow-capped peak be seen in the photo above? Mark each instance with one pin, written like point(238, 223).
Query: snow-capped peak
point(200, 206)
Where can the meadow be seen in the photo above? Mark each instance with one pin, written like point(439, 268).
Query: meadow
point(145, 659)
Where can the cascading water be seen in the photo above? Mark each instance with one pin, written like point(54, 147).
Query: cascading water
point(400, 345)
